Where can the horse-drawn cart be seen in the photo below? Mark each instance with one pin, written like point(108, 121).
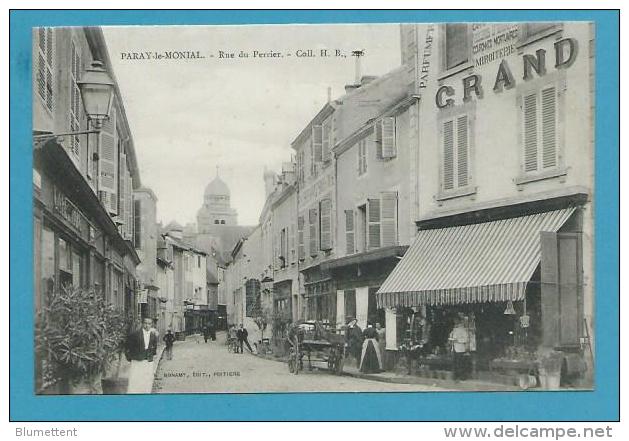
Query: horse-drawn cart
point(315, 343)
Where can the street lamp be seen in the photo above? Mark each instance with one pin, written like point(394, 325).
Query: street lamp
point(97, 90)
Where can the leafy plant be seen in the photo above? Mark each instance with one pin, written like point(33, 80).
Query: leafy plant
point(78, 334)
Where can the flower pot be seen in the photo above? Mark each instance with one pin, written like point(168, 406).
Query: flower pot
point(115, 386)
point(85, 386)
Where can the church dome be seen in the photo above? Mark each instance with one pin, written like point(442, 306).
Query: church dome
point(217, 188)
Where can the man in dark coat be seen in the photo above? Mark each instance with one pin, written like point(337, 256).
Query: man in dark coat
point(140, 350)
point(243, 338)
point(169, 339)
point(354, 339)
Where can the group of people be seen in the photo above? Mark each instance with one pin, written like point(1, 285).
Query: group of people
point(240, 337)
point(367, 347)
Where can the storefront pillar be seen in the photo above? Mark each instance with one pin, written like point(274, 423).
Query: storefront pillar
point(362, 306)
point(340, 308)
point(390, 325)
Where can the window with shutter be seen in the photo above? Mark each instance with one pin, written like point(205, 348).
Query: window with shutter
point(45, 57)
point(325, 210)
point(292, 243)
point(456, 153)
point(312, 218)
point(137, 228)
point(448, 155)
point(373, 223)
point(349, 232)
point(326, 145)
point(362, 157)
point(379, 140)
point(457, 50)
point(130, 206)
point(549, 127)
point(108, 158)
point(539, 130)
point(388, 137)
point(462, 159)
point(122, 195)
point(529, 108)
point(300, 234)
point(75, 101)
point(388, 218)
point(317, 142)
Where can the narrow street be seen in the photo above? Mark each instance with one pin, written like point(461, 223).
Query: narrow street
point(199, 367)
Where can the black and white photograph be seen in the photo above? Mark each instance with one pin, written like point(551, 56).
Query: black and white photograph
point(401, 207)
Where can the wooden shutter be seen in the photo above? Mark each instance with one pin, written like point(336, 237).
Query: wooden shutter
point(130, 205)
point(137, 227)
point(75, 101)
point(349, 232)
point(49, 62)
point(457, 45)
point(388, 137)
point(373, 223)
point(549, 127)
point(109, 162)
point(327, 141)
point(550, 289)
point(292, 242)
point(325, 210)
point(41, 63)
point(317, 142)
point(388, 218)
point(462, 156)
point(379, 135)
point(300, 234)
point(570, 269)
point(529, 118)
point(448, 155)
point(312, 218)
point(122, 192)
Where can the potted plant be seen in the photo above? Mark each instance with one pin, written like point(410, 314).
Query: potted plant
point(78, 334)
point(549, 368)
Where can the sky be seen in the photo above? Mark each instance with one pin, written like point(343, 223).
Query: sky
point(190, 116)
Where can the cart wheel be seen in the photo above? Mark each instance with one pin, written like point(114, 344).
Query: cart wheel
point(339, 364)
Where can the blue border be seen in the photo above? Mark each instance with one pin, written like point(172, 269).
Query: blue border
point(600, 405)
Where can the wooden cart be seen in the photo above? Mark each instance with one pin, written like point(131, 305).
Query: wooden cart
point(315, 343)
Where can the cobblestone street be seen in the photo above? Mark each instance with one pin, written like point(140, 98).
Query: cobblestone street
point(209, 367)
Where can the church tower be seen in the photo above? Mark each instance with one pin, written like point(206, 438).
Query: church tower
point(216, 210)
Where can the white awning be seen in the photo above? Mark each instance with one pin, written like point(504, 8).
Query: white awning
point(485, 262)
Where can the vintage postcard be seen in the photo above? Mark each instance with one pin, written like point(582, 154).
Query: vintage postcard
point(314, 208)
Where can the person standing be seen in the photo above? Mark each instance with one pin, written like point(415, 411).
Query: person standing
point(459, 340)
point(169, 340)
point(354, 340)
point(381, 332)
point(370, 358)
point(140, 350)
point(243, 338)
point(206, 333)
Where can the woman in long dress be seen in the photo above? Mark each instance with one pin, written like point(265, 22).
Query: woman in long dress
point(370, 359)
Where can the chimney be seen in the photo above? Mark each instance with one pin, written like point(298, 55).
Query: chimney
point(329, 94)
point(269, 182)
point(357, 54)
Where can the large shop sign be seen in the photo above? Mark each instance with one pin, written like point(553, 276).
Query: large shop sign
point(68, 211)
point(565, 54)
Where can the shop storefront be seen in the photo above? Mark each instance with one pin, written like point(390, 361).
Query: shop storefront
point(76, 243)
point(320, 298)
point(357, 279)
point(513, 286)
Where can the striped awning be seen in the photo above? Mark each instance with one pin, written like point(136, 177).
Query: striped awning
point(485, 262)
